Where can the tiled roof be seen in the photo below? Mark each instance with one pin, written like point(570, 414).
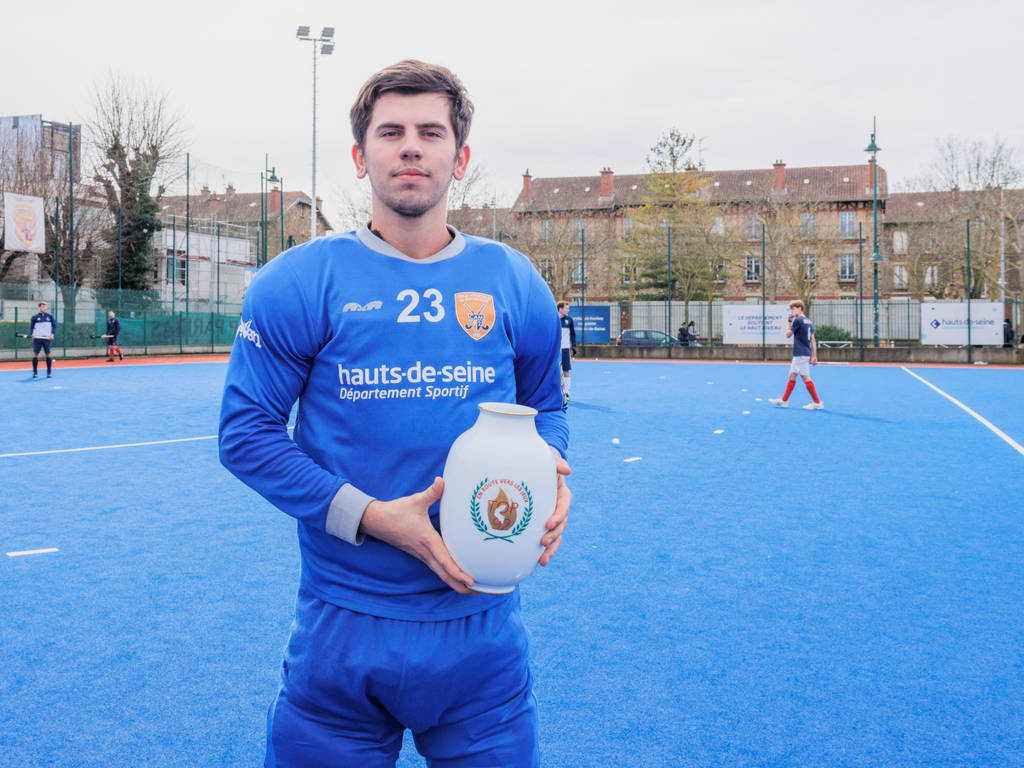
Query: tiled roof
point(917, 207)
point(236, 207)
point(841, 183)
point(478, 220)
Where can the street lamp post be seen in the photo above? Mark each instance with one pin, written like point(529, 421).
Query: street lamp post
point(326, 41)
point(267, 177)
point(876, 256)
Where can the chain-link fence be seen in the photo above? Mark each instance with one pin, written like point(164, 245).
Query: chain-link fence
point(148, 325)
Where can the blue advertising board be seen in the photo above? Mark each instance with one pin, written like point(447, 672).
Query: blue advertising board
point(595, 327)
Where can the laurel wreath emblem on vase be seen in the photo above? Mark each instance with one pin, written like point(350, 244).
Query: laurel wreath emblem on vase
point(480, 525)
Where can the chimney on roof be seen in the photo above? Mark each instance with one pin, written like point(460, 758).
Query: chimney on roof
point(607, 186)
point(527, 186)
point(205, 191)
point(779, 178)
point(229, 191)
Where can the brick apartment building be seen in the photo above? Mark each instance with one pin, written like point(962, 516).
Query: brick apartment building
point(814, 217)
point(925, 234)
point(246, 209)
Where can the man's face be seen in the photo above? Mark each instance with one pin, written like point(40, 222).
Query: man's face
point(110, 314)
point(563, 310)
point(409, 153)
point(42, 307)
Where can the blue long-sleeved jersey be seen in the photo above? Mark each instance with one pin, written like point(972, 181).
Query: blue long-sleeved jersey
point(388, 357)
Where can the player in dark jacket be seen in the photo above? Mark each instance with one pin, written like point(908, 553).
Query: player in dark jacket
point(42, 329)
point(113, 331)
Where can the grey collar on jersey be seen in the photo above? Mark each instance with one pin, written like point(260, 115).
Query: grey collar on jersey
point(374, 243)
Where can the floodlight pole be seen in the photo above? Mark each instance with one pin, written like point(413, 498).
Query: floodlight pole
point(327, 39)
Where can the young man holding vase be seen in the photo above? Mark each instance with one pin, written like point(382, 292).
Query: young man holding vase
point(389, 336)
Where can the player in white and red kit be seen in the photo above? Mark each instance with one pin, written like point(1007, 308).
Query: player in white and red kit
point(805, 354)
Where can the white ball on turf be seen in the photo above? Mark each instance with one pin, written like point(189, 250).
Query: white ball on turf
point(615, 441)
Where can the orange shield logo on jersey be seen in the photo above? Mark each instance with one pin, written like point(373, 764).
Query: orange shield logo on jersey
point(475, 312)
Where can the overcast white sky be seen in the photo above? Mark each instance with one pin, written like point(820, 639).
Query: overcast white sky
point(561, 88)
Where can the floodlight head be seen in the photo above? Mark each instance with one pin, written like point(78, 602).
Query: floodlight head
point(327, 49)
point(872, 147)
point(273, 176)
point(302, 32)
point(328, 33)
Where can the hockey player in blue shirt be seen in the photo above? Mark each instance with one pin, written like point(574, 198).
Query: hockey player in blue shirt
point(42, 329)
point(388, 337)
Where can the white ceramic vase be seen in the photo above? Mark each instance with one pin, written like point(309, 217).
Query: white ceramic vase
point(500, 486)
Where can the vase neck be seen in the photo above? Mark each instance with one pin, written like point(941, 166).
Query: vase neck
point(508, 423)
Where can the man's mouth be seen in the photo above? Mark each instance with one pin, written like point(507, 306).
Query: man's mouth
point(409, 173)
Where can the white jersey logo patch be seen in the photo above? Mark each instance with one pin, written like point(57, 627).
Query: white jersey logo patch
point(355, 306)
point(248, 332)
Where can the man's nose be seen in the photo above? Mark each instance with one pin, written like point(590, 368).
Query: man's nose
point(411, 150)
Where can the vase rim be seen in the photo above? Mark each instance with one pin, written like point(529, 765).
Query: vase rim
point(507, 409)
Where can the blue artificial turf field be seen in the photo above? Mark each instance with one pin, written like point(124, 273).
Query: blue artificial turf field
point(757, 587)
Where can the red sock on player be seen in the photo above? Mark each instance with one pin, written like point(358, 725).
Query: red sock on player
point(789, 390)
point(813, 391)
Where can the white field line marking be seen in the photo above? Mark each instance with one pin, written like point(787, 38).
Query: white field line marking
point(32, 552)
point(105, 447)
point(1009, 440)
point(631, 458)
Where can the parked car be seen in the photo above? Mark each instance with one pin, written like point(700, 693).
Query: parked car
point(646, 338)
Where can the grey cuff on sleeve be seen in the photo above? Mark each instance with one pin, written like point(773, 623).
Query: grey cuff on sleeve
point(345, 514)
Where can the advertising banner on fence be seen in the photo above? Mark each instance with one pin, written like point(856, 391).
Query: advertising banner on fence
point(946, 323)
point(24, 228)
point(596, 328)
point(741, 324)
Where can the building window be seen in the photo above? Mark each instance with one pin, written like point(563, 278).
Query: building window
point(808, 269)
point(175, 267)
point(847, 224)
point(628, 227)
point(848, 268)
point(718, 271)
point(578, 226)
point(545, 230)
point(753, 269)
point(931, 276)
point(577, 273)
point(545, 270)
point(718, 228)
point(808, 228)
point(899, 241)
point(899, 277)
point(930, 241)
point(629, 273)
point(753, 227)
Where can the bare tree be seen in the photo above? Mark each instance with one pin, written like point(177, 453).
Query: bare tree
point(977, 180)
point(137, 139)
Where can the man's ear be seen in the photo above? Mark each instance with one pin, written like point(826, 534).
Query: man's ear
point(461, 163)
point(359, 160)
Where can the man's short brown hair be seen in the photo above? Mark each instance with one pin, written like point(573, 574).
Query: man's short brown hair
point(796, 303)
point(411, 77)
